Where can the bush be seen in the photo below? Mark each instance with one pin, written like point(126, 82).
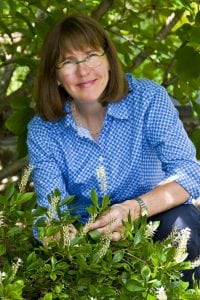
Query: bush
point(90, 266)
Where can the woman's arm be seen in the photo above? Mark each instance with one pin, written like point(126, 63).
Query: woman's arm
point(47, 175)
point(166, 136)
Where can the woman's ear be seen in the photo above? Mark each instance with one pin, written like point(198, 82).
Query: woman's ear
point(58, 82)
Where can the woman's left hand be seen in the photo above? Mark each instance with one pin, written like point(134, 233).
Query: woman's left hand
point(111, 222)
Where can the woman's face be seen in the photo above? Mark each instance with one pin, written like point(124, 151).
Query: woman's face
point(84, 74)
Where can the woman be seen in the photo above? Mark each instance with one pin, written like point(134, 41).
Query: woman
point(100, 128)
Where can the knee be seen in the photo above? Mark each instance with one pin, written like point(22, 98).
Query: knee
point(181, 217)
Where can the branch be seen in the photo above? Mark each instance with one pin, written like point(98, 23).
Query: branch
point(100, 10)
point(165, 30)
point(13, 168)
point(170, 82)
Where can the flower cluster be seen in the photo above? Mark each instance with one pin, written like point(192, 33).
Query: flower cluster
point(151, 228)
point(2, 276)
point(52, 210)
point(66, 235)
point(181, 251)
point(25, 178)
point(15, 267)
point(101, 175)
point(105, 245)
point(195, 263)
point(1, 219)
point(87, 225)
point(161, 294)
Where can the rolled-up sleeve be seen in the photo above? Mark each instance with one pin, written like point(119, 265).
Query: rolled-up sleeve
point(166, 134)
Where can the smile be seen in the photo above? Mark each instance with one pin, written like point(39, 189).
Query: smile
point(86, 84)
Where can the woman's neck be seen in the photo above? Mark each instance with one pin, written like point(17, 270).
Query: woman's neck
point(89, 111)
point(89, 116)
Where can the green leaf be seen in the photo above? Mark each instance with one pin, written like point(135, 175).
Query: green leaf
point(14, 291)
point(76, 240)
point(31, 258)
point(53, 262)
point(94, 198)
point(92, 210)
point(41, 222)
point(2, 199)
point(95, 235)
point(18, 286)
point(53, 276)
point(2, 249)
point(197, 18)
point(61, 266)
point(20, 213)
point(118, 256)
point(20, 103)
point(9, 191)
point(39, 211)
point(134, 286)
point(196, 109)
point(195, 35)
point(196, 140)
point(28, 22)
point(13, 230)
point(58, 288)
point(48, 296)
point(22, 145)
point(22, 198)
point(108, 292)
point(137, 238)
point(146, 273)
point(17, 122)
point(188, 62)
point(26, 61)
point(52, 230)
point(66, 201)
point(151, 297)
point(105, 203)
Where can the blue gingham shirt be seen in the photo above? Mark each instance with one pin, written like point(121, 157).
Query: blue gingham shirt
point(142, 142)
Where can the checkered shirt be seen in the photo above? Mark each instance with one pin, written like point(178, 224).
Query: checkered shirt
point(142, 142)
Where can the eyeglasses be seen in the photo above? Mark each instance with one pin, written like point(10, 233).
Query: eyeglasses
point(92, 60)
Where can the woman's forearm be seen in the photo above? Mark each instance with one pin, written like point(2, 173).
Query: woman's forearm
point(163, 197)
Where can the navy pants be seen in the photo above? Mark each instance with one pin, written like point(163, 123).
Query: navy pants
point(183, 216)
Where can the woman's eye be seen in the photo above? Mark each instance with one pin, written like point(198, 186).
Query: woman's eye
point(92, 55)
point(67, 62)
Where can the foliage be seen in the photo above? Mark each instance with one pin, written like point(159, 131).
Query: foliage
point(154, 39)
point(89, 266)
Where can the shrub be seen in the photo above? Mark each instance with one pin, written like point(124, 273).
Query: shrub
point(89, 266)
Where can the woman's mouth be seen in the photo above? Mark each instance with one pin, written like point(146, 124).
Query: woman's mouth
point(86, 84)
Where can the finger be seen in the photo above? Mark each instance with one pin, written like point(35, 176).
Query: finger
point(115, 236)
point(73, 232)
point(102, 221)
point(72, 235)
point(55, 237)
point(115, 226)
point(72, 229)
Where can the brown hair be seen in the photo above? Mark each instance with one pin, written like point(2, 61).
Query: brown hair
point(74, 32)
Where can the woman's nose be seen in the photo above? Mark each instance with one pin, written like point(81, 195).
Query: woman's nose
point(82, 68)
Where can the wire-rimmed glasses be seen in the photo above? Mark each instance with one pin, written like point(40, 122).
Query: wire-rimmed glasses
point(92, 60)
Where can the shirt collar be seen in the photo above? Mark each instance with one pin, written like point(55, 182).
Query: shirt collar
point(68, 119)
point(118, 110)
